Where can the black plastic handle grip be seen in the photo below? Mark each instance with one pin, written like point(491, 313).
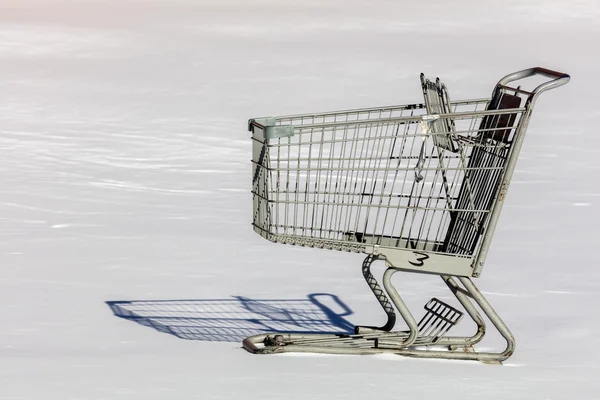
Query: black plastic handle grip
point(558, 79)
point(550, 73)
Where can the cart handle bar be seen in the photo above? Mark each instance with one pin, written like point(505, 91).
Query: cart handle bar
point(560, 78)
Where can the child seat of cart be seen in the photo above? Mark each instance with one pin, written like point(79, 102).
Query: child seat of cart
point(481, 181)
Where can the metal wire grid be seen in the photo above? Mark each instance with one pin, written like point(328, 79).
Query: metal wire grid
point(438, 320)
point(349, 177)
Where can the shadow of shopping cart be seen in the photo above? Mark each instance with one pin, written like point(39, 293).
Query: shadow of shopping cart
point(232, 319)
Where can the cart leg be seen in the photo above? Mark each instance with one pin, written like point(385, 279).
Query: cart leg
point(471, 291)
point(494, 318)
point(380, 296)
point(458, 292)
point(463, 297)
point(455, 343)
point(400, 306)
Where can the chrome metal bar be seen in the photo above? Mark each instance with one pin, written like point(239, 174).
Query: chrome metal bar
point(381, 298)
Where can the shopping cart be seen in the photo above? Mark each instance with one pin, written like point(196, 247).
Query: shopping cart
point(418, 186)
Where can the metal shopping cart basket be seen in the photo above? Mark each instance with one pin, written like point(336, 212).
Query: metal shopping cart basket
point(418, 186)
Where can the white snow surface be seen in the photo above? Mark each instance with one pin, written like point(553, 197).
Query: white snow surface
point(125, 172)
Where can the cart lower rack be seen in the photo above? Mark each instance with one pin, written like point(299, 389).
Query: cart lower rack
point(418, 186)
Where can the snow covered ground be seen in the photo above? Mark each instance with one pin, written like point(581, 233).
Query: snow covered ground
point(125, 176)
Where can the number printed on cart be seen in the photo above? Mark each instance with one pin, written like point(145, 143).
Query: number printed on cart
point(420, 260)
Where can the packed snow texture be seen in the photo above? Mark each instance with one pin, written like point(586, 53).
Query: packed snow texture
point(125, 170)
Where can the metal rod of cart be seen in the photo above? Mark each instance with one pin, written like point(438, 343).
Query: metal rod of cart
point(418, 186)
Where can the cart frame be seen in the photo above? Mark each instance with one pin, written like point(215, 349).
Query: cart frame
point(444, 170)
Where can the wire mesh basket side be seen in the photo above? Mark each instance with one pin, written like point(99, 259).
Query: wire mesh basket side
point(347, 185)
